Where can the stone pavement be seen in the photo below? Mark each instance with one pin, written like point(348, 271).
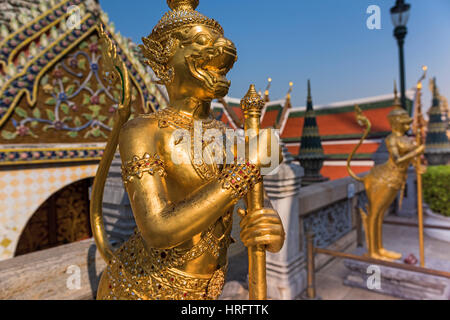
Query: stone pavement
point(329, 279)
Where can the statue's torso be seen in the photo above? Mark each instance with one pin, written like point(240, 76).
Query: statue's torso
point(391, 174)
point(204, 255)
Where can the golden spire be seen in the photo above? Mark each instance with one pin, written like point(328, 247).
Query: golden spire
point(424, 75)
point(419, 121)
point(266, 91)
point(397, 111)
point(288, 96)
point(396, 99)
point(286, 107)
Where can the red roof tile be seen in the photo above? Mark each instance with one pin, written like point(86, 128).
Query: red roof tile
point(270, 118)
point(339, 172)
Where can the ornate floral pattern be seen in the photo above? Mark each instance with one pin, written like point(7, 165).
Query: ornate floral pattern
point(58, 70)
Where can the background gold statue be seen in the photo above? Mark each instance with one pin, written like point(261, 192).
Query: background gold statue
point(384, 181)
point(182, 199)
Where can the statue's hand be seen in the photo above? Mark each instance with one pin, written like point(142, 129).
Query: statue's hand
point(262, 227)
point(420, 150)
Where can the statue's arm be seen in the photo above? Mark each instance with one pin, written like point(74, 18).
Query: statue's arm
point(393, 150)
point(164, 224)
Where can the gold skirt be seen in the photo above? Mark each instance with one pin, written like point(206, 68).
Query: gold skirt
point(134, 275)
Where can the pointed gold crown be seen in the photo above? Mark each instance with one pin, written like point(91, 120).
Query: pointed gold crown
point(397, 111)
point(182, 15)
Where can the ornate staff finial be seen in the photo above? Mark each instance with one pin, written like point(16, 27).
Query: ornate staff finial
point(252, 101)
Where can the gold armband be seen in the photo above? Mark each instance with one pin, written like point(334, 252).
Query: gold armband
point(240, 178)
point(138, 166)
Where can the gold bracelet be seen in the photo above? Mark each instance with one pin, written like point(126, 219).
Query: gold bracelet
point(138, 166)
point(240, 178)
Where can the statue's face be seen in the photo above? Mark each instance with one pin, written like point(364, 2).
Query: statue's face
point(201, 62)
point(402, 123)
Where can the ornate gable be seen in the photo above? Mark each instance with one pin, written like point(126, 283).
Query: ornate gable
point(52, 91)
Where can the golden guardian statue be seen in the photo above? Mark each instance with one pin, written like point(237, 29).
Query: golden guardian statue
point(384, 181)
point(182, 187)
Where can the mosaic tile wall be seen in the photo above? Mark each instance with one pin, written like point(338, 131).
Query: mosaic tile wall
point(22, 191)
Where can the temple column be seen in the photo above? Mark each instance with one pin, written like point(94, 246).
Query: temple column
point(286, 276)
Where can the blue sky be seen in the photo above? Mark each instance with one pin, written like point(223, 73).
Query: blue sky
point(326, 41)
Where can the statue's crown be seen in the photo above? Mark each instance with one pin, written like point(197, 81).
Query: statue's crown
point(399, 114)
point(182, 15)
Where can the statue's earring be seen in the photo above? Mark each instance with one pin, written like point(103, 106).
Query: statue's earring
point(165, 75)
point(157, 59)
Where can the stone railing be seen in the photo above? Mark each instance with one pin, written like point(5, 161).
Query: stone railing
point(68, 272)
point(328, 209)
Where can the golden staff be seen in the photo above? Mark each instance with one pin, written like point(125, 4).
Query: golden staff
point(252, 105)
point(418, 127)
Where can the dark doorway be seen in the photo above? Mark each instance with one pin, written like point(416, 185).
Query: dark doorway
point(62, 219)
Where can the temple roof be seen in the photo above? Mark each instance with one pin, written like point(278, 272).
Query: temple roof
point(54, 103)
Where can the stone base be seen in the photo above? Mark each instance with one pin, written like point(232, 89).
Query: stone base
point(401, 283)
point(285, 282)
point(234, 290)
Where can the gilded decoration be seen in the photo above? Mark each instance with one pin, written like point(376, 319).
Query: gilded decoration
point(139, 166)
point(51, 88)
point(183, 216)
point(73, 102)
point(385, 181)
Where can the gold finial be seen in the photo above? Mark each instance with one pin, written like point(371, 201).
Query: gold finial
point(178, 5)
point(396, 99)
point(252, 101)
point(266, 91)
point(424, 75)
point(291, 84)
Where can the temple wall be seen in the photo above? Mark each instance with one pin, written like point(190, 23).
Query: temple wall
point(23, 190)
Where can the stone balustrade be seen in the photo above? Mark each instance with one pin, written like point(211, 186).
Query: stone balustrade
point(328, 209)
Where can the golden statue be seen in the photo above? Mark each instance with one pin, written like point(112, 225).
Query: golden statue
point(182, 204)
point(384, 181)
